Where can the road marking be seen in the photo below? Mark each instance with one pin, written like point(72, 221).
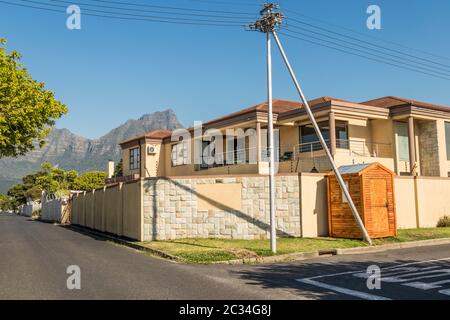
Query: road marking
point(367, 296)
point(350, 292)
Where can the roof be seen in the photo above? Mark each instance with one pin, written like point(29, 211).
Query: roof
point(360, 168)
point(278, 106)
point(392, 102)
point(155, 134)
point(355, 168)
point(313, 103)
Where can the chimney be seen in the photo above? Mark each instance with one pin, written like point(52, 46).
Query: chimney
point(110, 169)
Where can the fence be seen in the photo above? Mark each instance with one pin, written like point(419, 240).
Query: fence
point(237, 206)
point(114, 209)
point(421, 201)
point(29, 208)
point(55, 209)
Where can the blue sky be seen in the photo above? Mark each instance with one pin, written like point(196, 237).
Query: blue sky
point(114, 70)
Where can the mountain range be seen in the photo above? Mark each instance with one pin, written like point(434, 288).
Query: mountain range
point(70, 151)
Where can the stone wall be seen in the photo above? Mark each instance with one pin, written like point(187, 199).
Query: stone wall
point(236, 208)
point(428, 148)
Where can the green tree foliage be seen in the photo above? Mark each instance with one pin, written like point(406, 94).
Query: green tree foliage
point(118, 171)
point(27, 109)
point(5, 202)
point(54, 180)
point(90, 180)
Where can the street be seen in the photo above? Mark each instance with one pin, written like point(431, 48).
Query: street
point(34, 258)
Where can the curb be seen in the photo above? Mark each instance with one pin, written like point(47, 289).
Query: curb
point(393, 246)
point(270, 259)
point(123, 242)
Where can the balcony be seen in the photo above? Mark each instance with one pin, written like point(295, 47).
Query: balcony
point(352, 147)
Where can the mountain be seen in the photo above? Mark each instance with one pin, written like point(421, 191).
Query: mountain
point(70, 151)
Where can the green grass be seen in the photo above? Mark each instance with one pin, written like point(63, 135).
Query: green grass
point(213, 250)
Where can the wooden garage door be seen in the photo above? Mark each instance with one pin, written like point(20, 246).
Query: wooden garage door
point(379, 205)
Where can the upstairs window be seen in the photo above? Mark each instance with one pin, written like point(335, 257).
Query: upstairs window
point(179, 154)
point(134, 158)
point(309, 141)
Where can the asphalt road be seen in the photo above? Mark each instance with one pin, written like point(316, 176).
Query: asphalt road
point(34, 258)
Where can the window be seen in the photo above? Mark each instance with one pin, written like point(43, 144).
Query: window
point(342, 135)
point(447, 139)
point(179, 154)
point(310, 142)
point(134, 158)
point(403, 141)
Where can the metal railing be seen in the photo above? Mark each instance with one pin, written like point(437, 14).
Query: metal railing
point(304, 150)
point(353, 147)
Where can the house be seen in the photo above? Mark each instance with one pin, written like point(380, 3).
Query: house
point(209, 180)
point(408, 137)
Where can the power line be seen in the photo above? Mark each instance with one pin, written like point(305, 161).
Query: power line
point(177, 19)
point(363, 56)
point(119, 17)
point(366, 42)
point(359, 45)
point(239, 3)
point(370, 52)
point(366, 35)
point(150, 11)
point(173, 8)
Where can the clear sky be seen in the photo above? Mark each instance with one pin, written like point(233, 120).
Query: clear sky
point(114, 70)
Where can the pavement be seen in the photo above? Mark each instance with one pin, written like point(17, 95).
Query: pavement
point(35, 257)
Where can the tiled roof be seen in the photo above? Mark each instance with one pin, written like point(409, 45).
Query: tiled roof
point(392, 102)
point(158, 134)
point(155, 134)
point(279, 106)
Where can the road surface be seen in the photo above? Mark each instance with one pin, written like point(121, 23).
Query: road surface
point(34, 258)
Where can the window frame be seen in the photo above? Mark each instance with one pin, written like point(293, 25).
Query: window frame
point(135, 158)
point(339, 124)
point(447, 139)
point(175, 154)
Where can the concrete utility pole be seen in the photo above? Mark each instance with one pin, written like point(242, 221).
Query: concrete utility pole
point(266, 27)
point(267, 24)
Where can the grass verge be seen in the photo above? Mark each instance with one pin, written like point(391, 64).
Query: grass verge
point(213, 250)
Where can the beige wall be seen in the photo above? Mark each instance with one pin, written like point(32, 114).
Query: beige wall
point(433, 200)
point(405, 203)
point(115, 209)
point(289, 138)
point(237, 206)
point(313, 205)
point(421, 205)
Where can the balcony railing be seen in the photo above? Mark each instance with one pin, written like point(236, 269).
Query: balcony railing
point(352, 147)
point(305, 150)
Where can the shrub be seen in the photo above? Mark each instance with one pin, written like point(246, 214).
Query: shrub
point(444, 222)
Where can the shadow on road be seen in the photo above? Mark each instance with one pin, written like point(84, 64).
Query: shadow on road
point(284, 276)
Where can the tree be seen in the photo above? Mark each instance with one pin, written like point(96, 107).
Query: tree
point(55, 180)
point(5, 203)
point(89, 181)
point(27, 109)
point(118, 171)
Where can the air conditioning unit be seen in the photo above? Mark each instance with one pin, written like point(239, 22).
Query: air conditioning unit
point(151, 149)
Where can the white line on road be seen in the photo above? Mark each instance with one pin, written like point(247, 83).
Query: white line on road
point(350, 292)
point(361, 294)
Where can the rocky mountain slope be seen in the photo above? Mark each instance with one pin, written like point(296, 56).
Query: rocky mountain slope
point(70, 151)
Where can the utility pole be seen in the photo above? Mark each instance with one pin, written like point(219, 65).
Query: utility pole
point(267, 24)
